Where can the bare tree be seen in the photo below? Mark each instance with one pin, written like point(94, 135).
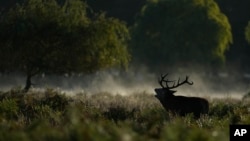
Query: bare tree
point(180, 105)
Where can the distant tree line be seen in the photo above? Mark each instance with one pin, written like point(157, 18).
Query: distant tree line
point(237, 12)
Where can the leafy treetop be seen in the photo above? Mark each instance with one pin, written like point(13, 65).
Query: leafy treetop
point(184, 32)
point(43, 36)
point(247, 32)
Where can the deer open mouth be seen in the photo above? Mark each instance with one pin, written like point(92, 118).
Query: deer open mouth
point(161, 92)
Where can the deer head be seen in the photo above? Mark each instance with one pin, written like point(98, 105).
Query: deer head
point(167, 90)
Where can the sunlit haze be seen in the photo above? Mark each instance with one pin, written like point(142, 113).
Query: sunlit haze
point(131, 82)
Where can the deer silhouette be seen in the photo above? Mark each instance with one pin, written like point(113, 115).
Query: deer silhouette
point(180, 105)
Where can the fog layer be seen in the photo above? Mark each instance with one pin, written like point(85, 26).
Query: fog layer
point(134, 81)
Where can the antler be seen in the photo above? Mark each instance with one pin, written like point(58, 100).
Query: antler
point(162, 79)
point(183, 82)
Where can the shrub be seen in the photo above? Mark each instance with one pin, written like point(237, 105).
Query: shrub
point(8, 108)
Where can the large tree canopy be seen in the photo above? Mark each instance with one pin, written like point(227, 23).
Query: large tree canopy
point(170, 32)
point(238, 13)
point(43, 36)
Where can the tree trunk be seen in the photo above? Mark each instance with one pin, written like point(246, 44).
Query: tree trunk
point(28, 83)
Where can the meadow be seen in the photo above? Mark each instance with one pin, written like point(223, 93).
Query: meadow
point(53, 115)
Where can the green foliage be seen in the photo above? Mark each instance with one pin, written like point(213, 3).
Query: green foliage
point(247, 32)
point(239, 50)
point(246, 96)
point(111, 50)
point(119, 114)
point(8, 108)
point(181, 32)
point(221, 110)
point(44, 36)
point(38, 116)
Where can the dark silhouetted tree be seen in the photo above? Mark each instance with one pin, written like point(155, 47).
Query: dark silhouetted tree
point(183, 32)
point(43, 36)
point(238, 13)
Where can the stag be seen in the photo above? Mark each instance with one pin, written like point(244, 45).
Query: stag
point(180, 105)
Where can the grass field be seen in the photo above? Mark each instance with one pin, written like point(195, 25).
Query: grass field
point(51, 115)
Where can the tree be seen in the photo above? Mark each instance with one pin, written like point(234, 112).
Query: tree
point(43, 36)
point(118, 8)
point(238, 13)
point(247, 32)
point(184, 32)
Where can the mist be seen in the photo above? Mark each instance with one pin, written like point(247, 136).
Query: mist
point(221, 85)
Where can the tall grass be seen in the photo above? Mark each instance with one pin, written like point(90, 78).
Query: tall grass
point(52, 115)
